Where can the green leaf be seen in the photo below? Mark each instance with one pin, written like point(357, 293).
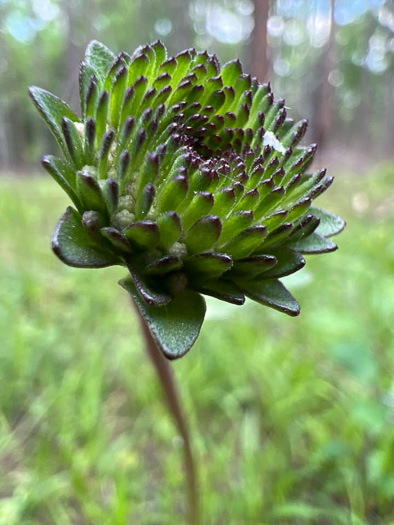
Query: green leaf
point(175, 326)
point(271, 293)
point(330, 224)
point(313, 244)
point(74, 246)
point(53, 110)
point(99, 58)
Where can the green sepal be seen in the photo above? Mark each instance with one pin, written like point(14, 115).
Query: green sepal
point(203, 234)
point(53, 110)
point(289, 261)
point(64, 175)
point(99, 58)
point(207, 265)
point(143, 234)
point(250, 267)
point(74, 246)
point(224, 290)
point(330, 224)
point(313, 244)
point(148, 295)
point(175, 326)
point(246, 242)
point(271, 293)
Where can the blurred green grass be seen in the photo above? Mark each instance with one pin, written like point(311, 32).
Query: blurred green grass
point(292, 418)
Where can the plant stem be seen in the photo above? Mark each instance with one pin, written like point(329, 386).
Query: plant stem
point(170, 390)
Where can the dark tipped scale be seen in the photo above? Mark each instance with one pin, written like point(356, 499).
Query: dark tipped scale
point(126, 105)
point(200, 205)
point(126, 134)
point(275, 220)
point(118, 64)
point(230, 72)
point(224, 202)
point(123, 167)
point(172, 194)
point(73, 142)
point(161, 97)
point(143, 235)
point(111, 194)
point(106, 144)
point(279, 119)
point(117, 239)
point(92, 97)
point(203, 235)
point(303, 160)
point(304, 227)
point(278, 176)
point(169, 66)
point(234, 225)
point(140, 87)
point(90, 193)
point(242, 85)
point(148, 98)
point(117, 96)
point(90, 137)
point(144, 201)
point(249, 201)
point(183, 60)
point(164, 79)
point(321, 188)
point(250, 267)
point(278, 235)
point(200, 71)
point(272, 113)
point(229, 91)
point(269, 202)
point(246, 242)
point(138, 68)
point(101, 117)
point(272, 167)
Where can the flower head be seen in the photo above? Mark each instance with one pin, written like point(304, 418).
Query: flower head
point(190, 175)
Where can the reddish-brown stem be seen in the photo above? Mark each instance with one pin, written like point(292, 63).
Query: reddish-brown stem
point(167, 381)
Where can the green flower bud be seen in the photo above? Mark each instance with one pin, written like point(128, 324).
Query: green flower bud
point(192, 177)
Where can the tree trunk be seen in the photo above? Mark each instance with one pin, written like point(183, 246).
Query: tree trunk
point(260, 64)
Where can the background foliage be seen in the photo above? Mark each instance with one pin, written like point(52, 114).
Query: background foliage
point(293, 417)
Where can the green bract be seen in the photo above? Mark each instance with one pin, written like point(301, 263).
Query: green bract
point(190, 175)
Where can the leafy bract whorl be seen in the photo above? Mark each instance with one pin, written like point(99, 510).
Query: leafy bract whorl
point(192, 176)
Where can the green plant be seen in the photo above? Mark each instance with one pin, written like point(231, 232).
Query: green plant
point(192, 177)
